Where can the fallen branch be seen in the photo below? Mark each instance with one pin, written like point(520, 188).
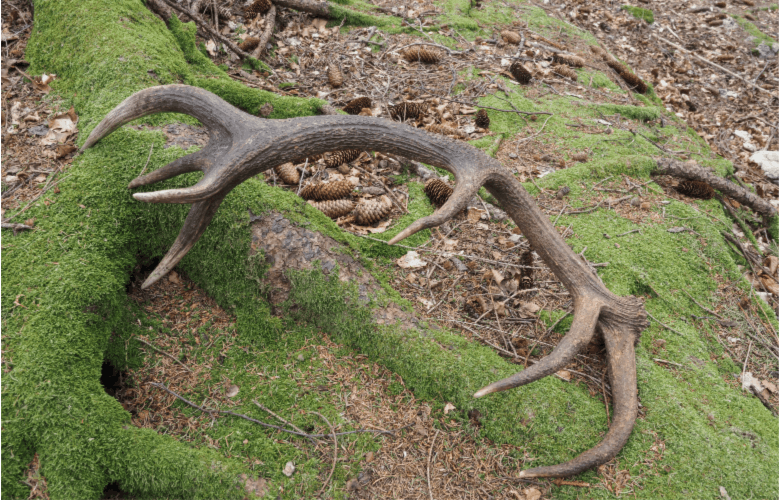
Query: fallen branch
point(279, 418)
point(335, 452)
point(428, 469)
point(211, 31)
point(694, 172)
point(714, 65)
point(270, 20)
point(139, 339)
point(15, 227)
point(665, 326)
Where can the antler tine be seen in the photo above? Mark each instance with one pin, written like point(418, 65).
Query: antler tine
point(202, 104)
point(190, 163)
point(582, 330)
point(195, 225)
point(622, 369)
point(463, 192)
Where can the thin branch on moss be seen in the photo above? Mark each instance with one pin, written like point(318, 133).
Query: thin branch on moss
point(664, 325)
point(139, 339)
point(271, 426)
point(43, 191)
point(211, 31)
point(280, 418)
point(147, 161)
point(335, 453)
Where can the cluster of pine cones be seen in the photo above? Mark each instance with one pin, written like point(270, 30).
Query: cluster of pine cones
point(333, 198)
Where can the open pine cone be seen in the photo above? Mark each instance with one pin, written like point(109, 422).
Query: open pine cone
point(482, 119)
point(333, 208)
point(424, 54)
point(337, 158)
point(369, 212)
point(330, 191)
point(288, 173)
point(249, 44)
point(569, 60)
point(444, 130)
point(437, 191)
point(526, 274)
point(520, 73)
point(405, 110)
point(696, 189)
point(565, 72)
point(258, 7)
point(335, 78)
point(354, 106)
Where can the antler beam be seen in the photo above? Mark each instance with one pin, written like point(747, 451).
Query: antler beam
point(241, 146)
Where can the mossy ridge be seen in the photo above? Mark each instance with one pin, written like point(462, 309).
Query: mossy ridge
point(645, 15)
point(753, 30)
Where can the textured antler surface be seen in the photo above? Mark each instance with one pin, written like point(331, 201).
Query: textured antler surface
point(241, 146)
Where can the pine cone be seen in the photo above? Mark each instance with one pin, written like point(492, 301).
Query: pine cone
point(406, 110)
point(330, 191)
point(526, 274)
point(337, 158)
point(511, 37)
point(570, 60)
point(371, 211)
point(249, 44)
point(335, 78)
point(566, 72)
point(258, 7)
point(333, 208)
point(520, 73)
point(631, 79)
point(444, 130)
point(288, 173)
point(482, 120)
point(695, 189)
point(354, 106)
point(437, 191)
point(424, 54)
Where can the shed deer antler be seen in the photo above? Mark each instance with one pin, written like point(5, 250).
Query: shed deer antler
point(241, 146)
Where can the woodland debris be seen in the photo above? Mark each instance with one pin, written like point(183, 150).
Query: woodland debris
point(481, 119)
point(437, 191)
point(369, 212)
point(424, 54)
point(520, 73)
point(288, 173)
point(327, 191)
point(333, 208)
point(355, 106)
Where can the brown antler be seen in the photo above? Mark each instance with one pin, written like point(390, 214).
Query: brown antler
point(241, 145)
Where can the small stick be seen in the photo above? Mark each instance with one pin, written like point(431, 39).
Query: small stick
point(628, 232)
point(303, 174)
point(202, 24)
point(709, 311)
point(715, 65)
point(604, 392)
point(665, 326)
point(430, 452)
point(35, 199)
point(747, 356)
point(163, 353)
point(668, 362)
point(270, 426)
point(279, 418)
point(270, 20)
point(147, 161)
point(335, 453)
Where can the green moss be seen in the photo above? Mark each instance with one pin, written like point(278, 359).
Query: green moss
point(759, 36)
point(632, 112)
point(645, 15)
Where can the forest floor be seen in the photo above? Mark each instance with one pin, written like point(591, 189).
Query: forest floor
point(434, 454)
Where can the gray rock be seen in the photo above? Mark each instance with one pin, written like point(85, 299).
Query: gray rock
point(40, 130)
point(768, 161)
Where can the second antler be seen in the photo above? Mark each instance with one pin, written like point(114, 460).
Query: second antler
point(241, 146)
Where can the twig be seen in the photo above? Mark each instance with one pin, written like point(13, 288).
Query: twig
point(270, 426)
point(35, 199)
point(747, 356)
point(203, 24)
point(713, 64)
point(387, 189)
point(279, 418)
point(709, 311)
point(335, 452)
point(428, 472)
point(668, 362)
point(627, 232)
point(163, 353)
point(303, 174)
point(147, 161)
point(16, 227)
point(604, 392)
point(665, 326)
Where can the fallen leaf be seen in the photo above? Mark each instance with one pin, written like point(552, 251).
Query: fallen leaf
point(232, 391)
point(173, 277)
point(211, 48)
point(289, 469)
point(749, 381)
point(769, 385)
point(564, 374)
point(61, 127)
point(65, 149)
point(411, 261)
point(448, 408)
point(532, 494)
point(474, 214)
